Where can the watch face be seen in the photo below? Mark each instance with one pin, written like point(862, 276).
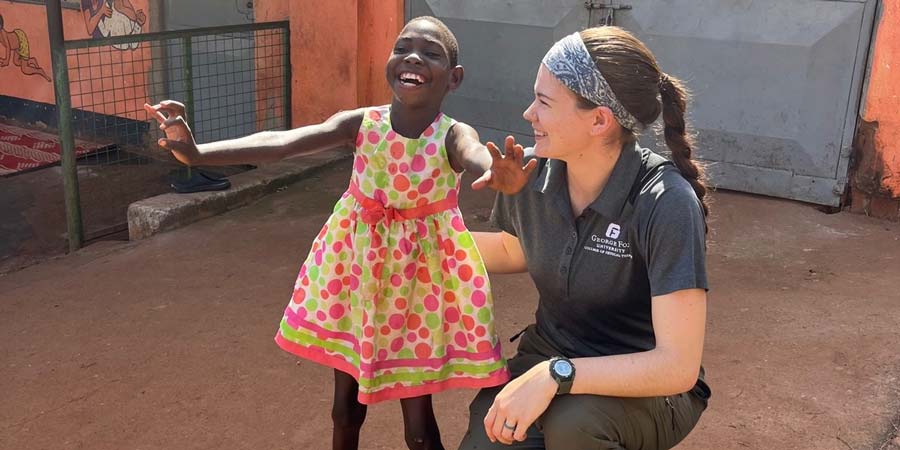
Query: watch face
point(563, 368)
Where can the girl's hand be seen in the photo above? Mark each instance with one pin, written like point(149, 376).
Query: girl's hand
point(519, 404)
point(179, 139)
point(506, 174)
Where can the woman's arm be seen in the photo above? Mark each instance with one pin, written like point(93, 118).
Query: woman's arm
point(501, 252)
point(267, 146)
point(679, 323)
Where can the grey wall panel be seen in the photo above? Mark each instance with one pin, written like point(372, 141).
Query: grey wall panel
point(776, 83)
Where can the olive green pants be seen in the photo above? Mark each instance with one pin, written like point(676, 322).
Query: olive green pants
point(591, 422)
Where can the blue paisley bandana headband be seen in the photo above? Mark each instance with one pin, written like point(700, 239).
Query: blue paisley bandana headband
point(570, 62)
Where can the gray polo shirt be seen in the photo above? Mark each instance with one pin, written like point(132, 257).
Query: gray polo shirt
point(643, 236)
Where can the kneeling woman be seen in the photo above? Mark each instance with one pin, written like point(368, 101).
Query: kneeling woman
point(613, 236)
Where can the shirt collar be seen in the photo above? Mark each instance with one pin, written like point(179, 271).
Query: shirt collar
point(611, 201)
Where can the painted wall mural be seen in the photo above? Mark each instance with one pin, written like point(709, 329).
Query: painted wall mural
point(122, 67)
point(16, 51)
point(104, 18)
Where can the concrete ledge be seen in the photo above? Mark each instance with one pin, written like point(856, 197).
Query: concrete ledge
point(169, 211)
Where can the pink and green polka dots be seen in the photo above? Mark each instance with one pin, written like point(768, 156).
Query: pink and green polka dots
point(404, 306)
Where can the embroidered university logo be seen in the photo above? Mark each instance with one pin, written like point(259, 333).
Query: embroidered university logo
point(613, 231)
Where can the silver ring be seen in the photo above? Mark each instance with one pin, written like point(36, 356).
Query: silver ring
point(508, 426)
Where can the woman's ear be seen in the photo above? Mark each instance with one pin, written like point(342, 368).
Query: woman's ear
point(456, 77)
point(603, 121)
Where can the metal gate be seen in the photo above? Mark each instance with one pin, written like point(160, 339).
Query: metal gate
point(776, 83)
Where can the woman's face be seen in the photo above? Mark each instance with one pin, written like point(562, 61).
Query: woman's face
point(561, 128)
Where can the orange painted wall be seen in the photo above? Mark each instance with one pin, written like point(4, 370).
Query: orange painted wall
point(875, 181)
point(337, 52)
point(883, 97)
point(123, 70)
point(269, 71)
point(337, 57)
point(380, 22)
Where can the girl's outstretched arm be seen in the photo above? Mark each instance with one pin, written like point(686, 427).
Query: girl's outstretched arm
point(266, 146)
point(501, 172)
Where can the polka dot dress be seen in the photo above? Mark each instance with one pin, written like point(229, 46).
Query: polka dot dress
point(394, 291)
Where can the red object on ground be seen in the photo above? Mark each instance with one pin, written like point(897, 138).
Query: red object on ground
point(22, 149)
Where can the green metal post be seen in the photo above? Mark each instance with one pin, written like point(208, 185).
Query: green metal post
point(187, 72)
point(287, 108)
point(66, 137)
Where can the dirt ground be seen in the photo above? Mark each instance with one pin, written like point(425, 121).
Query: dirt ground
point(167, 343)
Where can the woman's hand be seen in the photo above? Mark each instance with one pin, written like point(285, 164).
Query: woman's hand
point(506, 174)
point(519, 404)
point(179, 139)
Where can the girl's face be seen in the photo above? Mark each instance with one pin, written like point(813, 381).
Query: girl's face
point(561, 128)
point(418, 70)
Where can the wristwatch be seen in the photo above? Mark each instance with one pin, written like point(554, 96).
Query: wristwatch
point(563, 372)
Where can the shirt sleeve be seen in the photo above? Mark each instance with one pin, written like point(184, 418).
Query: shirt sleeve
point(504, 215)
point(507, 213)
point(674, 241)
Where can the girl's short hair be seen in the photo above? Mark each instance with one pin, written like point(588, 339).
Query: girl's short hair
point(446, 36)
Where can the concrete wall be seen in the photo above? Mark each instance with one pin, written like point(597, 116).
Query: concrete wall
point(185, 14)
point(875, 179)
point(338, 52)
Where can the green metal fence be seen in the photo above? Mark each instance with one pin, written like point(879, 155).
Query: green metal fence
point(233, 80)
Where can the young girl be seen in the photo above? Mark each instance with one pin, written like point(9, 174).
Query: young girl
point(393, 295)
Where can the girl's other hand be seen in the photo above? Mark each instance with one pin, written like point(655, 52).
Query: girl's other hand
point(507, 174)
point(179, 140)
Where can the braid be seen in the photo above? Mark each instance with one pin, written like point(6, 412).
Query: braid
point(674, 100)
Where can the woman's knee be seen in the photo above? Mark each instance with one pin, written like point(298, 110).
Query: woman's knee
point(583, 423)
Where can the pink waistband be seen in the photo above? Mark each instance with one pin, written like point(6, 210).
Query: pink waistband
point(374, 212)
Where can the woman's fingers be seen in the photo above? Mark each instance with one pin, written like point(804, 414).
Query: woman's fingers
point(521, 431)
point(495, 426)
point(500, 429)
point(489, 419)
point(509, 427)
